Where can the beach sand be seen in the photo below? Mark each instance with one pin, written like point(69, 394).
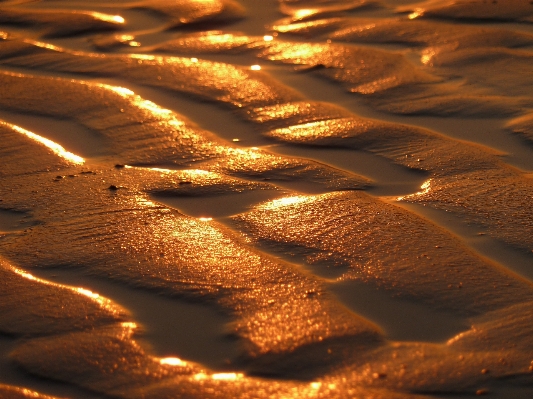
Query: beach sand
point(266, 199)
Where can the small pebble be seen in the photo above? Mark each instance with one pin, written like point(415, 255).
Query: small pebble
point(112, 187)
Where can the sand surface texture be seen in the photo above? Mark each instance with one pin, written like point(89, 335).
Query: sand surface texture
point(266, 199)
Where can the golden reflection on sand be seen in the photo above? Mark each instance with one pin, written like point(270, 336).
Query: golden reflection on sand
point(287, 201)
point(172, 361)
point(226, 376)
point(146, 105)
point(44, 45)
point(308, 130)
point(144, 57)
point(427, 56)
point(104, 303)
point(218, 376)
point(144, 202)
point(124, 92)
point(303, 13)
point(425, 188)
point(129, 325)
point(281, 310)
point(300, 26)
point(303, 51)
point(125, 38)
point(88, 293)
point(415, 14)
point(117, 19)
point(56, 148)
point(128, 39)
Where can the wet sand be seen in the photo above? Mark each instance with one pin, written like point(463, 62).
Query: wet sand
point(287, 199)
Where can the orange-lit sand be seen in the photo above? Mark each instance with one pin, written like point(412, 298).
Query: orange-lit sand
point(266, 199)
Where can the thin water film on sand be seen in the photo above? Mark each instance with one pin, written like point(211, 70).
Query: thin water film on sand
point(291, 199)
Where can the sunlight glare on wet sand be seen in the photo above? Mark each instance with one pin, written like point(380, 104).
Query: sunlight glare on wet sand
point(417, 13)
point(56, 148)
point(172, 361)
point(107, 18)
point(101, 301)
point(279, 199)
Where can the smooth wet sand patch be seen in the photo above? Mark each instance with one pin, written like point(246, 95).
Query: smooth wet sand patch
point(14, 221)
point(475, 237)
point(217, 206)
point(170, 327)
point(401, 320)
point(387, 178)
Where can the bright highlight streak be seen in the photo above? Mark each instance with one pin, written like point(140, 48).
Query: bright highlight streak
point(285, 202)
point(125, 38)
point(199, 171)
point(417, 13)
point(426, 186)
point(172, 361)
point(144, 57)
point(25, 275)
point(119, 90)
point(268, 38)
point(102, 301)
point(162, 170)
point(88, 293)
point(108, 18)
point(44, 45)
point(255, 67)
point(56, 148)
point(226, 376)
point(304, 13)
point(427, 56)
point(153, 108)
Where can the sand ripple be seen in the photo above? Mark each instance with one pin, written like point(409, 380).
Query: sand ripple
point(146, 148)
